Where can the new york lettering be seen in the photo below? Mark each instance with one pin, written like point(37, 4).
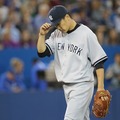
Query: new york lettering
point(61, 46)
point(74, 49)
point(71, 48)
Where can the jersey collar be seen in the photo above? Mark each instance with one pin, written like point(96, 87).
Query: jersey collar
point(77, 25)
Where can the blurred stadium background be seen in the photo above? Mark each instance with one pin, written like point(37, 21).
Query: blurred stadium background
point(28, 86)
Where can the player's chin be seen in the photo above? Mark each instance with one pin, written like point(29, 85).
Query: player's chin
point(64, 31)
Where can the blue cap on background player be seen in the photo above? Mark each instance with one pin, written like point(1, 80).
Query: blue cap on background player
point(56, 14)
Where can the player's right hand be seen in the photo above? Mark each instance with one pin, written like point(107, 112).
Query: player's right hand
point(44, 29)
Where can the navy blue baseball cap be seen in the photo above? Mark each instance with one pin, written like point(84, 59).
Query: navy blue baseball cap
point(57, 13)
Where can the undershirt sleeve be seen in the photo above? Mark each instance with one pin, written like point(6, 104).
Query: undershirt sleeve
point(45, 53)
point(99, 65)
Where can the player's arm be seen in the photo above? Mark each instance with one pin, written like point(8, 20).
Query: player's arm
point(41, 46)
point(100, 75)
point(102, 97)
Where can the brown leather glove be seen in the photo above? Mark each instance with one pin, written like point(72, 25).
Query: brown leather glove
point(100, 108)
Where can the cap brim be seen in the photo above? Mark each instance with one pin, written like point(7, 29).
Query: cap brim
point(55, 22)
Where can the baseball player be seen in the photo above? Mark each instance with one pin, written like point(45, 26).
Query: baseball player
point(76, 54)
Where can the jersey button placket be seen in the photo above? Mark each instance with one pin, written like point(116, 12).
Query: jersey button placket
point(64, 56)
point(64, 59)
point(63, 64)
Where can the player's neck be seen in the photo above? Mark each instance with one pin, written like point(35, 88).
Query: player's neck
point(72, 25)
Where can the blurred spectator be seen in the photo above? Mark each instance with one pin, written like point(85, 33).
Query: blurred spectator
point(113, 38)
point(117, 20)
point(80, 15)
point(75, 14)
point(33, 6)
point(15, 4)
point(113, 72)
point(101, 34)
point(106, 20)
point(1, 45)
point(26, 21)
point(12, 31)
point(96, 12)
point(12, 80)
point(96, 8)
point(26, 39)
point(6, 39)
point(41, 17)
point(14, 17)
point(3, 11)
point(38, 69)
point(54, 2)
point(83, 17)
point(17, 66)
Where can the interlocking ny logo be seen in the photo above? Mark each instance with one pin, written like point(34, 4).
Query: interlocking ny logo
point(51, 18)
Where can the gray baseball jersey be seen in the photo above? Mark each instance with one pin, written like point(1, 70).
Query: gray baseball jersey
point(75, 54)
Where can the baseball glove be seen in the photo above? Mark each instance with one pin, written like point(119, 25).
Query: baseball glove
point(100, 108)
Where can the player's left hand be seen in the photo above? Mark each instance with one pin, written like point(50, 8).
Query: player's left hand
point(101, 104)
point(103, 98)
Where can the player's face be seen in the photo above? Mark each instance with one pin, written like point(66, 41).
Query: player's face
point(63, 25)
